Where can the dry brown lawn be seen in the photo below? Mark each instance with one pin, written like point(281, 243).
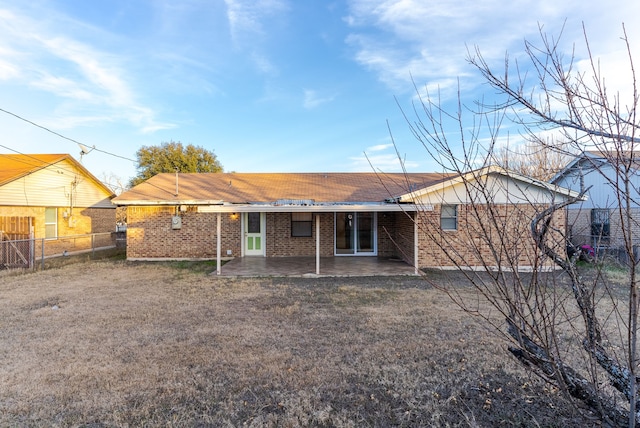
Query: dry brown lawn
point(112, 343)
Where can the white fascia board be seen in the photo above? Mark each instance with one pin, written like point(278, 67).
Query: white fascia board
point(245, 208)
point(166, 203)
point(470, 176)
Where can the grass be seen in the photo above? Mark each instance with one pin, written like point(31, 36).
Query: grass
point(111, 343)
point(113, 254)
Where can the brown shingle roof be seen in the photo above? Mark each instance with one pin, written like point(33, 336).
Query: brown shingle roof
point(14, 166)
point(271, 187)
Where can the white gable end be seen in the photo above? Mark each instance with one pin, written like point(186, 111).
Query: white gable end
point(57, 185)
point(491, 188)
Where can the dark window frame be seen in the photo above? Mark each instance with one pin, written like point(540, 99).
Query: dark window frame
point(600, 223)
point(302, 228)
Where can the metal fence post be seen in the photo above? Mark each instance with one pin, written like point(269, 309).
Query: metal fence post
point(32, 253)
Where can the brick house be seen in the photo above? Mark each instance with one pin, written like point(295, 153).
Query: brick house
point(226, 215)
point(53, 197)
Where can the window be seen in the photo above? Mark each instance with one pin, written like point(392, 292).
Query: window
point(301, 224)
point(600, 224)
point(50, 223)
point(449, 217)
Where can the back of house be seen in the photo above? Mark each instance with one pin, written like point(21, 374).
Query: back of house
point(402, 216)
point(52, 197)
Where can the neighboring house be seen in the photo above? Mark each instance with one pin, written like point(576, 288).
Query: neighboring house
point(596, 220)
point(52, 196)
point(226, 215)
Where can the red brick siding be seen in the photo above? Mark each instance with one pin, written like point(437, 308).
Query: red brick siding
point(405, 236)
point(83, 221)
point(395, 235)
point(579, 227)
point(150, 234)
point(386, 235)
point(491, 236)
point(280, 243)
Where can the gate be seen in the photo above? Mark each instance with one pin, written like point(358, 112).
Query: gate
point(16, 247)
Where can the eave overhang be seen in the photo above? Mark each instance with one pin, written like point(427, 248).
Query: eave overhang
point(308, 206)
point(316, 208)
point(165, 203)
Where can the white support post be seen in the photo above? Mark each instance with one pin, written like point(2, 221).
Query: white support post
point(317, 244)
point(416, 229)
point(218, 244)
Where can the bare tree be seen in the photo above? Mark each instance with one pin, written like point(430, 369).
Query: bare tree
point(540, 159)
point(576, 329)
point(114, 183)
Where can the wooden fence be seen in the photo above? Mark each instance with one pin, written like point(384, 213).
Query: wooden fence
point(16, 247)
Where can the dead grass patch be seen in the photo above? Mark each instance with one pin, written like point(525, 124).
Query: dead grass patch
point(110, 343)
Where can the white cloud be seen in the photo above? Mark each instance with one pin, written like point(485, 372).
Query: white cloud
point(263, 63)
point(313, 100)
point(63, 87)
point(247, 25)
point(397, 39)
point(379, 147)
point(8, 71)
point(84, 81)
point(381, 162)
point(246, 16)
point(382, 157)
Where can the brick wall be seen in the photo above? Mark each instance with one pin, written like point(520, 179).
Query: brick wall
point(579, 227)
point(405, 236)
point(280, 243)
point(395, 236)
point(150, 234)
point(98, 219)
point(386, 235)
point(83, 220)
point(486, 236)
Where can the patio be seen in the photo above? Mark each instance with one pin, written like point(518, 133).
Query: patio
point(306, 266)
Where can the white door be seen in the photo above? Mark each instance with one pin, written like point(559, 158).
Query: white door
point(254, 234)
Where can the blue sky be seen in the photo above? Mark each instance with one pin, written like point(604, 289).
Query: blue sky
point(268, 85)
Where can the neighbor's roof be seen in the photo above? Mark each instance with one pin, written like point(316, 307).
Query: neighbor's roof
point(16, 166)
point(13, 167)
point(592, 159)
point(242, 188)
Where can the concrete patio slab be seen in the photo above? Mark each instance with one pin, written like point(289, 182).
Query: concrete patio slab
point(306, 266)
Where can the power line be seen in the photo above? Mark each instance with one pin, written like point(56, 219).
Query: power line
point(62, 136)
point(36, 162)
point(109, 185)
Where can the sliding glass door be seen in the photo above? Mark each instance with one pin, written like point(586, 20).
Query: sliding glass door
point(355, 233)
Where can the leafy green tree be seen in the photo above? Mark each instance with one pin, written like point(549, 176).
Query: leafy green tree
point(171, 157)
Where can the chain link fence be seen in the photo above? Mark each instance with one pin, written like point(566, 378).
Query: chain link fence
point(32, 253)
